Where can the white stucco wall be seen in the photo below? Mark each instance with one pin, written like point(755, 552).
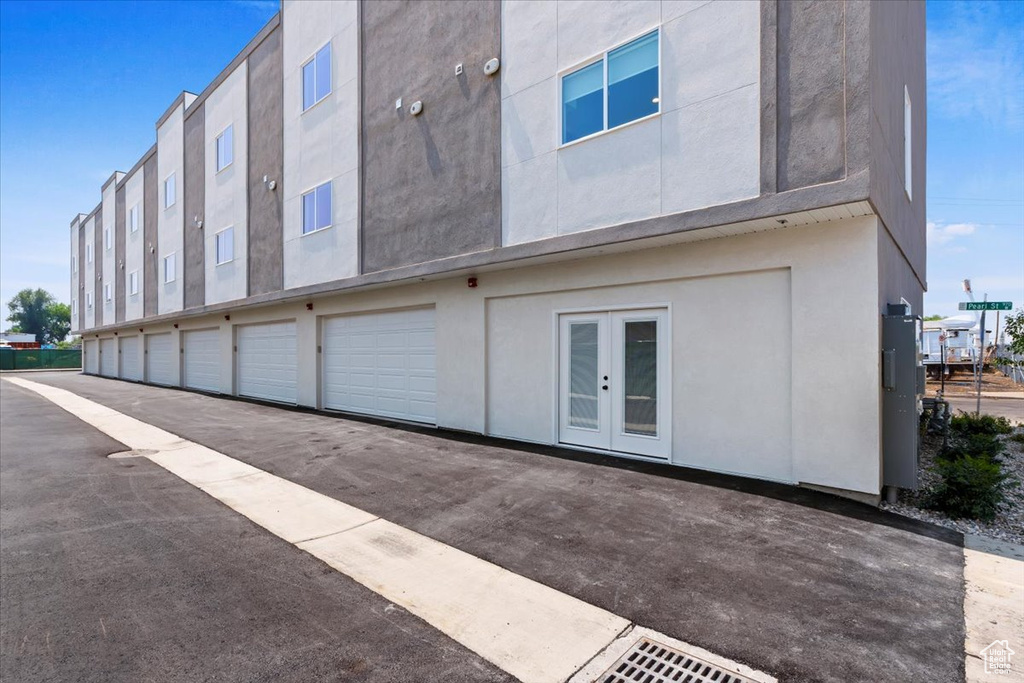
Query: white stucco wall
point(754, 319)
point(171, 221)
point(321, 143)
point(702, 150)
point(74, 292)
point(90, 275)
point(226, 191)
point(109, 255)
point(134, 245)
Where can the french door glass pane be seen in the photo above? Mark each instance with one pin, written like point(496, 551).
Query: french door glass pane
point(640, 380)
point(583, 396)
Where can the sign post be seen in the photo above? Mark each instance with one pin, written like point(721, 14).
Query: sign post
point(982, 306)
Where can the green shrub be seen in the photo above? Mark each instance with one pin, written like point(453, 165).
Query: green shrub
point(986, 446)
point(967, 423)
point(971, 487)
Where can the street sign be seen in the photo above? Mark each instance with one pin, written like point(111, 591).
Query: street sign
point(986, 305)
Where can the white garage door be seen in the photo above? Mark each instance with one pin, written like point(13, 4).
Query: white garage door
point(382, 364)
point(202, 359)
point(267, 362)
point(108, 357)
point(160, 358)
point(130, 368)
point(92, 356)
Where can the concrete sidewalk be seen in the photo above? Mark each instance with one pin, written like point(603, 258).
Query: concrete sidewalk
point(801, 585)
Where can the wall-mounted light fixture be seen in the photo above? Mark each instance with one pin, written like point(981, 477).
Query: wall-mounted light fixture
point(416, 108)
point(471, 282)
point(309, 306)
point(198, 222)
point(491, 66)
point(227, 317)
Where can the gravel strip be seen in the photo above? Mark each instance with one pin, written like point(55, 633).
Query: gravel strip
point(1009, 522)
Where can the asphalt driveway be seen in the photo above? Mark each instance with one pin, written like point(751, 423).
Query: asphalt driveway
point(799, 584)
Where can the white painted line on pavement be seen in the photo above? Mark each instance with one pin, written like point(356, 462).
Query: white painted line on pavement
point(529, 630)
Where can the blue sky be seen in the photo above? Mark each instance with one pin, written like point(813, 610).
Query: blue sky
point(83, 83)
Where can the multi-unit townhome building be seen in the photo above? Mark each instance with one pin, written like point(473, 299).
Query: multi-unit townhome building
point(664, 229)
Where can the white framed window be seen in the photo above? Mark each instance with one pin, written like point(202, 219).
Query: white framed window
point(74, 306)
point(225, 148)
point(88, 252)
point(908, 147)
point(108, 240)
point(88, 300)
point(133, 282)
point(169, 268)
point(107, 295)
point(74, 263)
point(225, 245)
point(617, 87)
point(133, 219)
point(316, 208)
point(316, 77)
point(169, 192)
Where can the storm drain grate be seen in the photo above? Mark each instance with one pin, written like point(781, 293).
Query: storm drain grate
point(651, 662)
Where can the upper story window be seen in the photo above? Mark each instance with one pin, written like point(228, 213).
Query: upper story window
point(225, 151)
point(169, 192)
point(108, 240)
point(225, 245)
point(88, 252)
point(169, 268)
point(74, 306)
point(619, 86)
point(107, 295)
point(316, 77)
point(133, 282)
point(88, 299)
point(74, 263)
point(316, 208)
point(133, 219)
point(908, 148)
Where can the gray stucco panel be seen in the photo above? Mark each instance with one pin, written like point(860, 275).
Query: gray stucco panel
point(119, 247)
point(266, 158)
point(194, 264)
point(811, 93)
point(431, 185)
point(149, 257)
point(97, 257)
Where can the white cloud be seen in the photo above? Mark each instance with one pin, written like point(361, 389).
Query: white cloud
point(940, 235)
point(976, 65)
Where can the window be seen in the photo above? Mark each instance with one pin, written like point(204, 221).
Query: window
point(107, 241)
point(169, 270)
point(908, 159)
point(88, 299)
point(621, 86)
point(316, 208)
point(169, 195)
point(225, 153)
point(133, 219)
point(225, 245)
point(74, 263)
point(106, 293)
point(74, 307)
point(316, 77)
point(88, 252)
point(133, 282)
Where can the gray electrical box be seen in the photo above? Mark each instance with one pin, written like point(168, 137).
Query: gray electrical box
point(901, 390)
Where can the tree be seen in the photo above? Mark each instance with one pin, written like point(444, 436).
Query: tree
point(35, 311)
point(929, 318)
point(1014, 327)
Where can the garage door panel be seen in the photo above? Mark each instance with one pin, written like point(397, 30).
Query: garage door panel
point(268, 361)
point(381, 364)
point(92, 356)
point(160, 357)
point(130, 359)
point(108, 357)
point(202, 359)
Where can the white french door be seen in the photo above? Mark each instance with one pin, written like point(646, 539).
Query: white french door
point(614, 381)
